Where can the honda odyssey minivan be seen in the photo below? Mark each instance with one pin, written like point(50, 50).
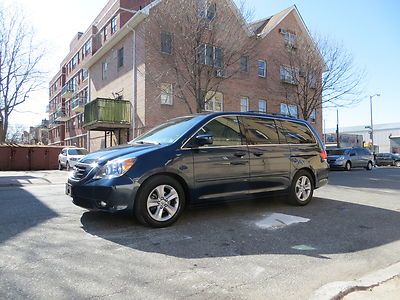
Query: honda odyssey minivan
point(202, 158)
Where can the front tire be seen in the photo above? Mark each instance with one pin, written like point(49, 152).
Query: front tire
point(397, 163)
point(369, 166)
point(347, 166)
point(302, 189)
point(60, 167)
point(160, 202)
point(67, 166)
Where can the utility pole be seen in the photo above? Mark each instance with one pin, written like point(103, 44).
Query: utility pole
point(337, 129)
point(372, 124)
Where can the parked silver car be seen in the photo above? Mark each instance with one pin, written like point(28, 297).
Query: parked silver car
point(70, 156)
point(348, 158)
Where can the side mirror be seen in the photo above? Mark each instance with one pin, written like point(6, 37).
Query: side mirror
point(204, 139)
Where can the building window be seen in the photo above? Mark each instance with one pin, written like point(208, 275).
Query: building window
point(214, 101)
point(207, 10)
point(262, 68)
point(289, 74)
point(244, 63)
point(166, 42)
point(120, 58)
point(113, 25)
point(262, 106)
point(104, 70)
point(84, 74)
point(244, 104)
point(105, 33)
point(289, 110)
point(290, 39)
point(166, 94)
point(211, 55)
point(313, 116)
point(75, 61)
point(87, 47)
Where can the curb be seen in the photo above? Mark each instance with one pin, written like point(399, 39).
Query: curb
point(337, 290)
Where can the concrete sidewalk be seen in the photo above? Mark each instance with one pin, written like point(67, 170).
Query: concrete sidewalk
point(382, 284)
point(24, 178)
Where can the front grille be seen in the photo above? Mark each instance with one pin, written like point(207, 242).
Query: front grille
point(81, 171)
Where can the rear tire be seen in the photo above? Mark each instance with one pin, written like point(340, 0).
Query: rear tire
point(160, 201)
point(347, 166)
point(302, 189)
point(369, 166)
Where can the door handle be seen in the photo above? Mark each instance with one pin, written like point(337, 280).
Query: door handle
point(240, 154)
point(258, 153)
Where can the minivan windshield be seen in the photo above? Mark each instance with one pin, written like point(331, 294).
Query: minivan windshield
point(77, 152)
point(168, 132)
point(338, 152)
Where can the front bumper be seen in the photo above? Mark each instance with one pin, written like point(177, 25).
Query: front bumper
point(104, 195)
point(336, 164)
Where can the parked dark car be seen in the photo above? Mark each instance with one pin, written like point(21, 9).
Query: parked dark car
point(388, 159)
point(348, 158)
point(201, 158)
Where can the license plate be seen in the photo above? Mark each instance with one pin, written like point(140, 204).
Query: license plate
point(68, 189)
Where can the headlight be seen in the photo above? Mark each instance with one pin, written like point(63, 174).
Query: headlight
point(115, 168)
point(340, 158)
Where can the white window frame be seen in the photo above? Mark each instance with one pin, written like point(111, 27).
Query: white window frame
point(290, 110)
point(262, 108)
point(287, 74)
point(167, 94)
point(244, 104)
point(215, 102)
point(262, 68)
point(290, 39)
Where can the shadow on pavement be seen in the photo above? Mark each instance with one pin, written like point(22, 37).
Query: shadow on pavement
point(379, 178)
point(230, 230)
point(7, 181)
point(20, 211)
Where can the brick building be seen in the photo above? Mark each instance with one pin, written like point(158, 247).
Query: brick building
point(125, 101)
point(68, 90)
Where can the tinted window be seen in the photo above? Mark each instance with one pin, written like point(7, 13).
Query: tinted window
point(296, 133)
point(77, 152)
point(225, 131)
point(260, 130)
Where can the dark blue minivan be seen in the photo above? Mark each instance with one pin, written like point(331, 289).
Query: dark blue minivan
point(200, 158)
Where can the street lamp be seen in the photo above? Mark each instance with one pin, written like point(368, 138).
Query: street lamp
point(372, 124)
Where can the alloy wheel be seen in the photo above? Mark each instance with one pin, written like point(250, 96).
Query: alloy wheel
point(163, 203)
point(303, 188)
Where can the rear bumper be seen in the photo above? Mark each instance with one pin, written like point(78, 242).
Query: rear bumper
point(100, 195)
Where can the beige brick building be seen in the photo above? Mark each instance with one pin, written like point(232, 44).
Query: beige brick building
point(125, 100)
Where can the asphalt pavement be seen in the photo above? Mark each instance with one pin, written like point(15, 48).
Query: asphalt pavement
point(260, 249)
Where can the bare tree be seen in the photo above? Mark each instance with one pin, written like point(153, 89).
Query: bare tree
point(15, 134)
point(19, 59)
point(318, 73)
point(201, 44)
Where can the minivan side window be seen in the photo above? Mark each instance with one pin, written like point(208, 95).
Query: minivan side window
point(260, 131)
point(225, 132)
point(297, 133)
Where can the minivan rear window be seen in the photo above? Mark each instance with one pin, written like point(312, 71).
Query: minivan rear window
point(296, 133)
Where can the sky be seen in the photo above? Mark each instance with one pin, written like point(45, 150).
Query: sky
point(369, 30)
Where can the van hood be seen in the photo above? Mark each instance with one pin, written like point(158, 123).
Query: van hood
point(104, 155)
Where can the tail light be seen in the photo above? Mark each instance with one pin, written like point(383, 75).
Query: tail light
point(324, 155)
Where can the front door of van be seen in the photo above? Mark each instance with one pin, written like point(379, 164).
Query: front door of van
point(269, 159)
point(222, 168)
